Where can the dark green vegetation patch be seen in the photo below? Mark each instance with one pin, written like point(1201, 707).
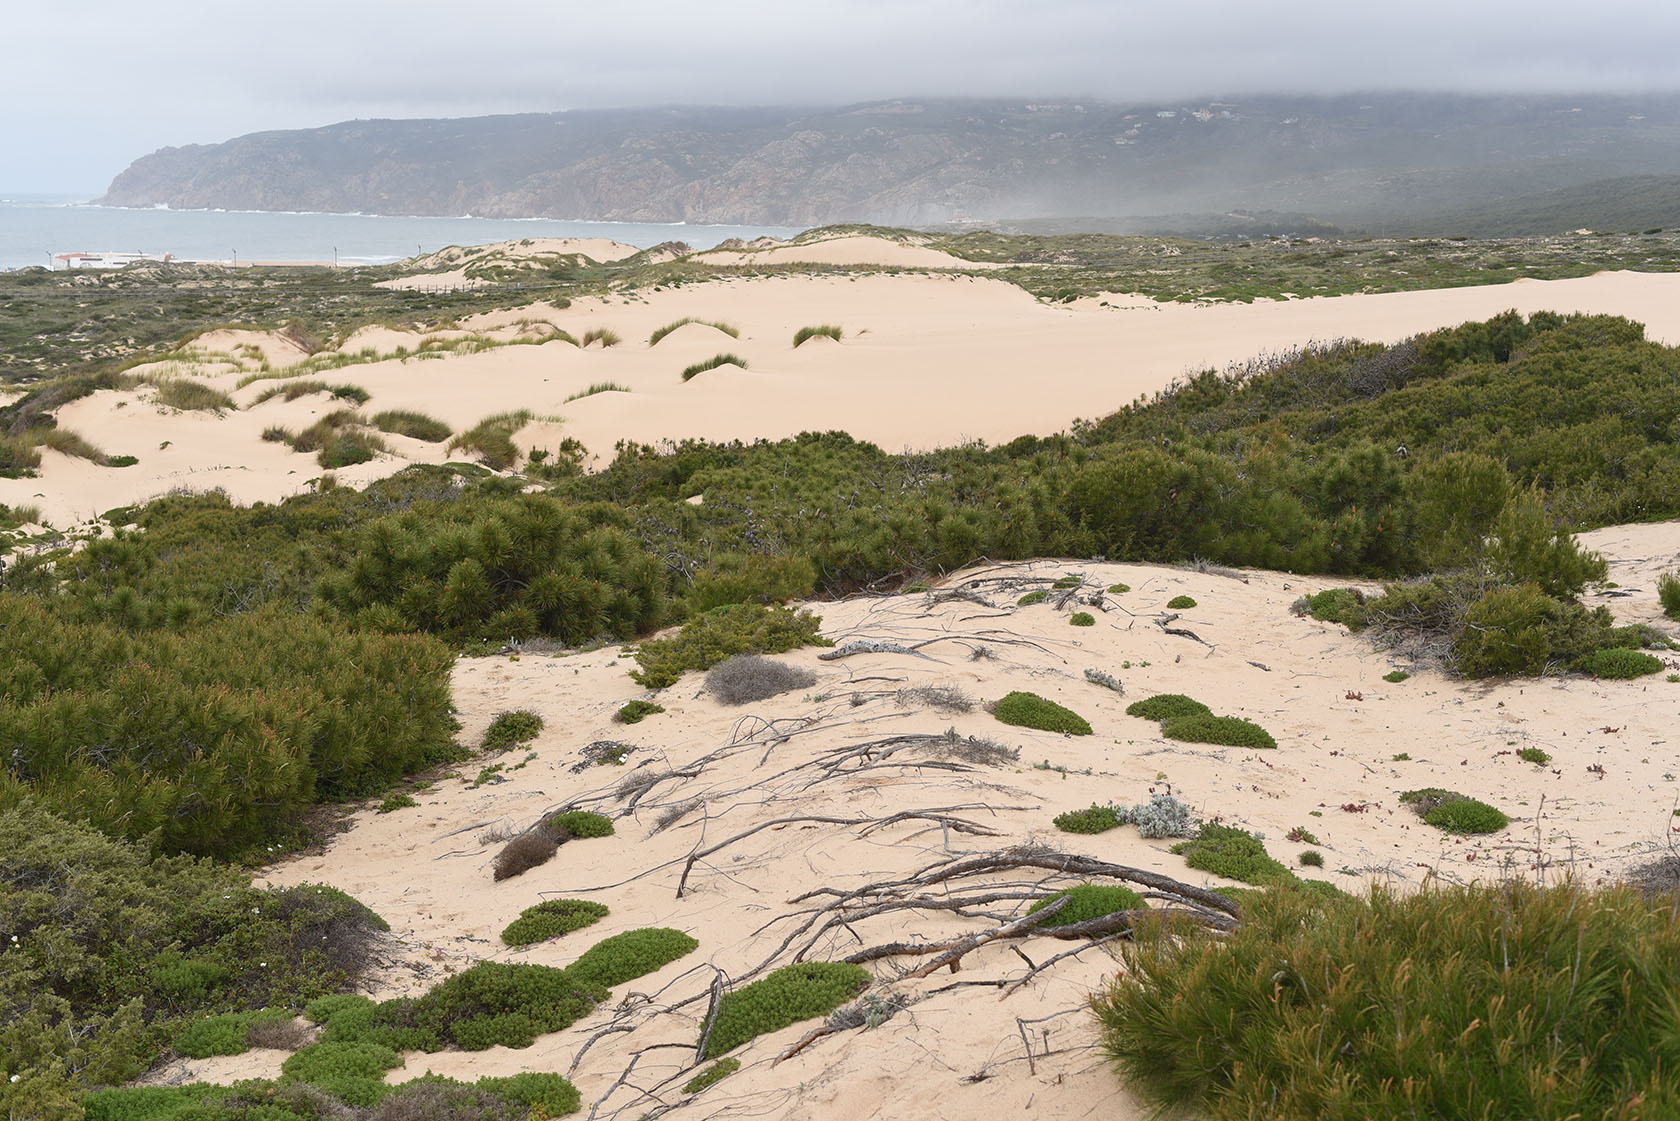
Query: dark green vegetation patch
point(550, 919)
point(1097, 819)
point(1452, 812)
point(1166, 706)
point(1619, 663)
point(722, 634)
point(508, 729)
point(1277, 1020)
point(1029, 710)
point(1181, 603)
point(1086, 902)
point(581, 823)
point(1229, 731)
point(715, 1073)
point(634, 712)
point(625, 957)
point(787, 996)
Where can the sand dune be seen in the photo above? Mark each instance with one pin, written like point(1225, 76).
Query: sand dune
point(1320, 691)
point(925, 361)
point(852, 250)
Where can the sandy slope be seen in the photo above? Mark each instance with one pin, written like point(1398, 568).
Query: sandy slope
point(960, 1053)
point(926, 360)
point(850, 250)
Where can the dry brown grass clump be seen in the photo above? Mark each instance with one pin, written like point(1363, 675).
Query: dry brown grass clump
point(753, 677)
point(943, 698)
point(529, 850)
point(281, 1035)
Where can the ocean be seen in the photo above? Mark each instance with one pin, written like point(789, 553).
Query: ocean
point(35, 228)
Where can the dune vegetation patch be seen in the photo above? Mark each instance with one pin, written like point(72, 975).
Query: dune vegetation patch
point(713, 363)
point(414, 425)
point(822, 331)
point(721, 634)
point(1167, 706)
point(1096, 819)
point(1226, 731)
point(606, 336)
point(787, 996)
point(491, 439)
point(188, 395)
point(599, 387)
point(580, 823)
point(1619, 663)
point(746, 678)
point(1086, 902)
point(1452, 812)
point(511, 728)
point(659, 333)
point(550, 919)
point(1029, 710)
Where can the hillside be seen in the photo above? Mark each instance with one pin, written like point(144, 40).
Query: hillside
point(1379, 160)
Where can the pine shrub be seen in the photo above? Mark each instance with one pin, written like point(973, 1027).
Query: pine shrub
point(1029, 710)
point(787, 996)
point(550, 919)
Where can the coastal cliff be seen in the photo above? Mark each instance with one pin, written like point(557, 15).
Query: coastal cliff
point(1378, 161)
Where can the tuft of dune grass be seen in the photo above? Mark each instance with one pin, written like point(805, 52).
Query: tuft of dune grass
point(825, 330)
point(713, 363)
point(491, 439)
point(728, 329)
point(418, 426)
point(600, 387)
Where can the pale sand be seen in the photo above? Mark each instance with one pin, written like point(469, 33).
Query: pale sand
point(850, 250)
point(1315, 687)
point(926, 361)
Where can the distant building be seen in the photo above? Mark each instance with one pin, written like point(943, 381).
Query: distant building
point(107, 260)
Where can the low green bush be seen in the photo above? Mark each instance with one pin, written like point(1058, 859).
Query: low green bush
point(509, 729)
point(1180, 603)
point(1395, 676)
point(550, 919)
point(1228, 731)
point(625, 957)
point(1233, 853)
point(398, 801)
point(351, 1072)
point(1312, 858)
point(501, 1003)
point(1082, 619)
point(1467, 815)
point(1619, 663)
point(1097, 819)
point(717, 1072)
point(1337, 605)
point(227, 1034)
point(721, 634)
point(1277, 1020)
point(1032, 598)
point(1119, 589)
point(1166, 706)
point(787, 996)
point(1086, 902)
point(1029, 710)
point(1534, 755)
point(581, 823)
point(634, 712)
point(541, 1093)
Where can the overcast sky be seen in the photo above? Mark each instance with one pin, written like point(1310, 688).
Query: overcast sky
point(92, 85)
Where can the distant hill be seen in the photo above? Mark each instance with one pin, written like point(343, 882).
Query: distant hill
point(1389, 161)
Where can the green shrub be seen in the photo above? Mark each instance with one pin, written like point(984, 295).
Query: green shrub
point(1312, 858)
point(1277, 1019)
point(1395, 676)
point(732, 578)
point(416, 426)
point(712, 364)
point(324, 1008)
point(787, 996)
point(226, 1034)
point(722, 634)
point(581, 823)
point(1167, 706)
point(1668, 594)
point(634, 712)
point(625, 957)
point(352, 1072)
point(732, 331)
point(1082, 619)
point(1032, 598)
point(1229, 731)
point(1180, 603)
point(1119, 589)
point(1029, 710)
point(1086, 902)
point(542, 1094)
point(508, 729)
point(1534, 755)
point(1528, 546)
point(1619, 663)
point(1466, 815)
point(398, 801)
point(500, 1003)
point(805, 334)
point(1337, 605)
point(19, 457)
point(1233, 853)
point(717, 1072)
point(550, 919)
point(1097, 819)
point(1521, 630)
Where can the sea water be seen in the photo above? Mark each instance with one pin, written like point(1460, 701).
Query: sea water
point(35, 228)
